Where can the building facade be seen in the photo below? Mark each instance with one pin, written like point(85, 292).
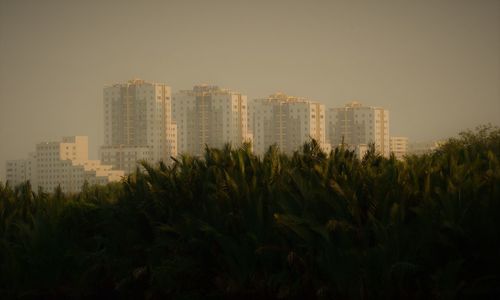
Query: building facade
point(126, 158)
point(138, 123)
point(399, 146)
point(209, 115)
point(286, 121)
point(355, 124)
point(61, 163)
point(21, 170)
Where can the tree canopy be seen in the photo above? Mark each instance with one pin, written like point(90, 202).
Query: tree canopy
point(310, 225)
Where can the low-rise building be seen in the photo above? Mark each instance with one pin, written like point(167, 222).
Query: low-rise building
point(21, 170)
point(399, 146)
point(61, 163)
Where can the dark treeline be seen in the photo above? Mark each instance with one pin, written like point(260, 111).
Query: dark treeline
point(235, 226)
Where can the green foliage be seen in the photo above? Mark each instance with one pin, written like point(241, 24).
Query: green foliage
point(310, 225)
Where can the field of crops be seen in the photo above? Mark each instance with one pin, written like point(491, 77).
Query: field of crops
point(232, 225)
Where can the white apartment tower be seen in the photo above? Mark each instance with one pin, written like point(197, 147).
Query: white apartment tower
point(209, 115)
point(355, 125)
point(61, 163)
point(286, 121)
point(137, 124)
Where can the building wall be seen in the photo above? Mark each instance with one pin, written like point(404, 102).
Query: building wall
point(209, 115)
point(73, 148)
point(126, 158)
point(139, 114)
point(286, 121)
point(19, 170)
point(64, 164)
point(399, 146)
point(355, 124)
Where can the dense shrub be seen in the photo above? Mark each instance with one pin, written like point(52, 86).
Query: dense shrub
point(233, 225)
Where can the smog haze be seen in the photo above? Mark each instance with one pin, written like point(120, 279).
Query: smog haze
point(435, 65)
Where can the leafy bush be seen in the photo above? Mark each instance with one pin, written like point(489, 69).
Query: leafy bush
point(234, 225)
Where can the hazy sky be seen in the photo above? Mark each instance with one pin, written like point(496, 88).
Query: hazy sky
point(434, 64)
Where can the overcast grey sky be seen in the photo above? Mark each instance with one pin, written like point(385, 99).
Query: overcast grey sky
point(434, 64)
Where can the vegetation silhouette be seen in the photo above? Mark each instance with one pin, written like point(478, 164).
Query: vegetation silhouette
point(232, 225)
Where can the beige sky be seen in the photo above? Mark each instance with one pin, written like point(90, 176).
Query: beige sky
point(434, 64)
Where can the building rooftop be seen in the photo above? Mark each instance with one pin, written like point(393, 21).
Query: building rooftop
point(282, 97)
point(211, 89)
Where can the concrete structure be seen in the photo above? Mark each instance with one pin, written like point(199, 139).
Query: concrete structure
point(399, 146)
point(63, 163)
point(21, 170)
point(423, 147)
point(355, 124)
point(286, 121)
point(126, 158)
point(360, 150)
point(137, 124)
point(209, 115)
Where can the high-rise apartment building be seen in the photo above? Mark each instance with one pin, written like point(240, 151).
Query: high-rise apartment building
point(399, 146)
point(355, 124)
point(126, 158)
point(138, 124)
point(61, 163)
point(209, 115)
point(286, 121)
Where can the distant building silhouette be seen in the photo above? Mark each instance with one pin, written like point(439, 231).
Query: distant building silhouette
point(286, 121)
point(61, 163)
point(209, 115)
point(138, 124)
point(355, 124)
point(399, 146)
